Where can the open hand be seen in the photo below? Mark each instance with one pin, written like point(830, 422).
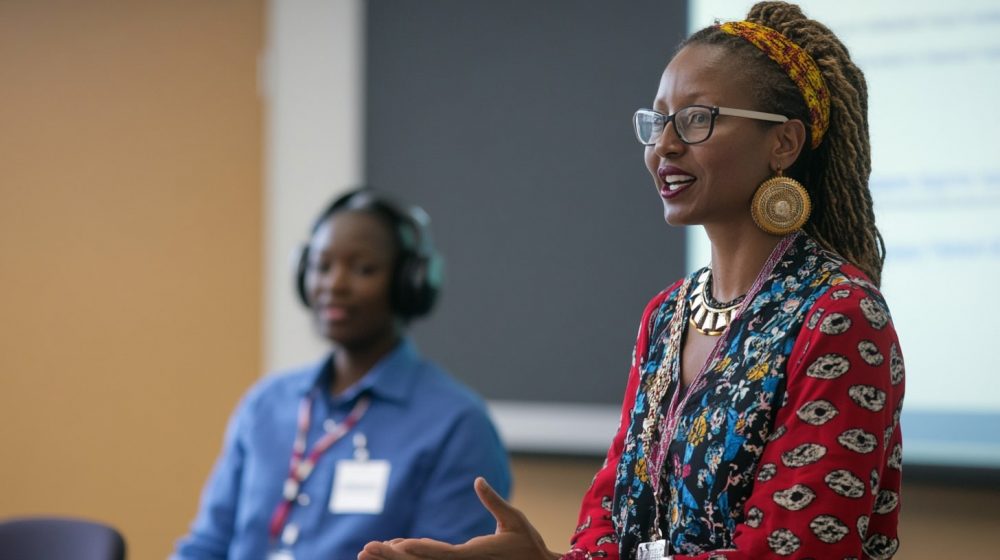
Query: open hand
point(515, 539)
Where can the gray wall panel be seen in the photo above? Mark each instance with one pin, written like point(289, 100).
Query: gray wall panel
point(510, 123)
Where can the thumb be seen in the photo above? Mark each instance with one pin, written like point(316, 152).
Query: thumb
point(508, 517)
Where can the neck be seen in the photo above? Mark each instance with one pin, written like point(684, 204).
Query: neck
point(352, 362)
point(738, 255)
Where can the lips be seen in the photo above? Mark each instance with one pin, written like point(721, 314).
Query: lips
point(333, 313)
point(674, 180)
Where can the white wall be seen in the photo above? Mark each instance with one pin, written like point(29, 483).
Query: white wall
point(312, 83)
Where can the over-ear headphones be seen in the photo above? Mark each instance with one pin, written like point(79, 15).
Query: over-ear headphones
point(418, 273)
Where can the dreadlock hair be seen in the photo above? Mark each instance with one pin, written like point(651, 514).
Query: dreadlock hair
point(836, 172)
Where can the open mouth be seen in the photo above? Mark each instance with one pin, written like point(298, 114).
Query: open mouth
point(677, 182)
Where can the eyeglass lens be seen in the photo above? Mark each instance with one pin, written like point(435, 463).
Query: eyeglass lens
point(693, 124)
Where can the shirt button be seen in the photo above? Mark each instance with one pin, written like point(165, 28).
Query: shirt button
point(329, 425)
point(303, 500)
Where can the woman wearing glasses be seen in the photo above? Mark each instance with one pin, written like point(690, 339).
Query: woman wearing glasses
point(761, 414)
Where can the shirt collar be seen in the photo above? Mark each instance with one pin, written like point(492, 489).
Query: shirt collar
point(390, 378)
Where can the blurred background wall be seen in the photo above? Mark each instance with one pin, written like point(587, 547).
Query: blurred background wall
point(130, 253)
point(159, 161)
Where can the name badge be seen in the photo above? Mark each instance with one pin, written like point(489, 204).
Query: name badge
point(359, 486)
point(652, 550)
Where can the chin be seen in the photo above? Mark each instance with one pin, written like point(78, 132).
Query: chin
point(332, 337)
point(338, 336)
point(673, 218)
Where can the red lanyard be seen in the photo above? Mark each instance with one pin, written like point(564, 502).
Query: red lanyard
point(300, 469)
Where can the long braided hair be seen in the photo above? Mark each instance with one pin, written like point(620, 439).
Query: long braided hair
point(835, 173)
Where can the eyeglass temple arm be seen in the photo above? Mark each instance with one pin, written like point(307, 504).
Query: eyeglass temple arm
point(753, 115)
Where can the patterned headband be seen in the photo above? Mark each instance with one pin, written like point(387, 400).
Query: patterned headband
point(799, 66)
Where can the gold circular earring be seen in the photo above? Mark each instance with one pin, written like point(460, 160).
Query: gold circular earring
point(781, 205)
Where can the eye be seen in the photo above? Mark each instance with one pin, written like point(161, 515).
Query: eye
point(366, 268)
point(320, 265)
point(653, 122)
point(697, 117)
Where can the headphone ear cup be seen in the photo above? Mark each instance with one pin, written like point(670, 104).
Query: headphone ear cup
point(433, 276)
point(405, 290)
point(417, 285)
point(301, 264)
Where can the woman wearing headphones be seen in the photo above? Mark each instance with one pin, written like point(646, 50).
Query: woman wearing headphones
point(372, 442)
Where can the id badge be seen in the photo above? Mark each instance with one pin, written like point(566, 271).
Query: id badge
point(359, 486)
point(652, 550)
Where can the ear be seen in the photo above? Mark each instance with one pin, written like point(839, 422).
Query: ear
point(789, 141)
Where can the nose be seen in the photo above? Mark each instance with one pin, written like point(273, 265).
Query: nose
point(669, 143)
point(340, 279)
point(335, 279)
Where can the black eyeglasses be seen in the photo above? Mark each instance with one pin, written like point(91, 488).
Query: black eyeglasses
point(694, 124)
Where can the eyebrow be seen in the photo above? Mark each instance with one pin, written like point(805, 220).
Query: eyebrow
point(692, 96)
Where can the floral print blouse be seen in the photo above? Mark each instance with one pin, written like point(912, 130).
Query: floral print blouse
point(786, 446)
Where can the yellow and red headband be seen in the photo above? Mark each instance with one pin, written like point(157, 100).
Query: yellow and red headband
point(799, 66)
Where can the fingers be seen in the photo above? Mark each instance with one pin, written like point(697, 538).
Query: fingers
point(426, 548)
point(508, 517)
point(375, 551)
point(384, 551)
point(407, 549)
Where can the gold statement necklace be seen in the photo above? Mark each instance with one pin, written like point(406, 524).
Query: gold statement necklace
point(710, 317)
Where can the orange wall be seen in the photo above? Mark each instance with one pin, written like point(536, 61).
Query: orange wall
point(130, 253)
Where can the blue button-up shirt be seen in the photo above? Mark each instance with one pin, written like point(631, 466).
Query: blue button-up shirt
point(434, 432)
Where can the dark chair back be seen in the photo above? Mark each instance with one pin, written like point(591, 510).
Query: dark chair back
point(59, 538)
